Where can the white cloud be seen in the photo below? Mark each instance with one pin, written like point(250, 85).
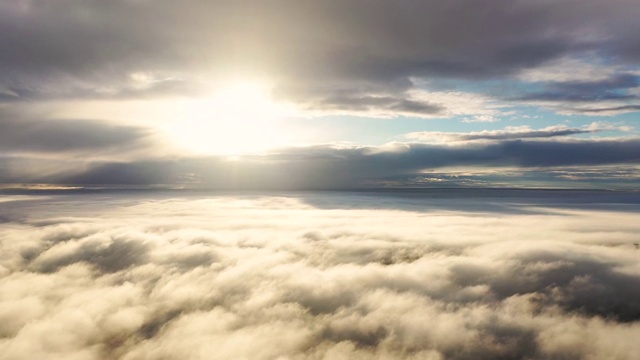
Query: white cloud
point(607, 126)
point(311, 276)
point(568, 69)
point(459, 103)
point(481, 119)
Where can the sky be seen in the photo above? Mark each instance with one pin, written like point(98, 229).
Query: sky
point(488, 274)
point(326, 94)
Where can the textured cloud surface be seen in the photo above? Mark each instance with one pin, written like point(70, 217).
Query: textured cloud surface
point(356, 55)
point(432, 275)
point(97, 92)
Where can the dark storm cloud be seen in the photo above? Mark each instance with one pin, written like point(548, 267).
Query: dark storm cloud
point(22, 134)
point(79, 47)
point(290, 280)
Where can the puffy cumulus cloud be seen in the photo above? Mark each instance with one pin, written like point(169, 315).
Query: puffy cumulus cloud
point(320, 276)
point(356, 55)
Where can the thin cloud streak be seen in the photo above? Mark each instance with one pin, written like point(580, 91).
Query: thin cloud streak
point(508, 133)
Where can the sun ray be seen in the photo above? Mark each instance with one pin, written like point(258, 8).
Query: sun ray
point(235, 120)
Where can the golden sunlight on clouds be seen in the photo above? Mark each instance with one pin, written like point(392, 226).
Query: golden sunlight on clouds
point(231, 119)
point(318, 276)
point(234, 120)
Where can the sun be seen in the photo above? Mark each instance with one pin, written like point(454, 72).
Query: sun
point(235, 120)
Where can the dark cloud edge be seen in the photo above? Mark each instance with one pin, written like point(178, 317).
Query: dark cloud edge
point(325, 167)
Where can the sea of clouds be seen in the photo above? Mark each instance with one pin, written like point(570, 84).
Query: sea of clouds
point(318, 276)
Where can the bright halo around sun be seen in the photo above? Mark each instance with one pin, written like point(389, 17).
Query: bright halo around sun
point(235, 120)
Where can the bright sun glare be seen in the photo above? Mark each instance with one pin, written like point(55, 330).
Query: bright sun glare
point(235, 120)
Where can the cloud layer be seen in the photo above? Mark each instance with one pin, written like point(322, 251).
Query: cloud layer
point(360, 55)
point(331, 167)
point(319, 277)
point(50, 136)
point(125, 92)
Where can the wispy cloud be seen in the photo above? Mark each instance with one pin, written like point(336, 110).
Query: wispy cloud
point(481, 119)
point(514, 132)
point(508, 133)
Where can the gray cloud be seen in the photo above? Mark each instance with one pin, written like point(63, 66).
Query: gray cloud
point(505, 134)
point(25, 134)
point(612, 109)
point(324, 167)
point(346, 279)
point(618, 82)
point(364, 57)
point(595, 177)
point(589, 97)
point(393, 105)
point(593, 93)
point(363, 47)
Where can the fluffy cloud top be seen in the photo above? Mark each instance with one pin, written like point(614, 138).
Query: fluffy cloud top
point(308, 276)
